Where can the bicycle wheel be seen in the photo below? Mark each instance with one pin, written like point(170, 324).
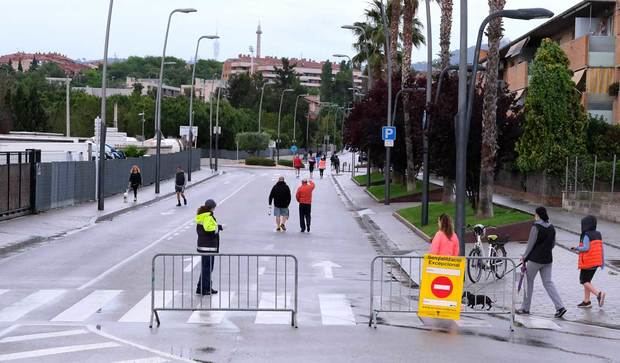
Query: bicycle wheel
point(498, 266)
point(474, 266)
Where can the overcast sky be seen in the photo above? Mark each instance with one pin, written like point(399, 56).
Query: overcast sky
point(291, 28)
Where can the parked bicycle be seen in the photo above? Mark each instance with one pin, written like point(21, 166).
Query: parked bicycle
point(475, 266)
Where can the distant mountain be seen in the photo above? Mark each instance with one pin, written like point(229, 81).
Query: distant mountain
point(454, 56)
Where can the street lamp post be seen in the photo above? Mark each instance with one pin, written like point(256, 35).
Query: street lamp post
point(429, 86)
point(191, 105)
point(102, 128)
point(363, 31)
point(260, 104)
point(387, 167)
point(217, 127)
point(466, 100)
point(211, 122)
point(158, 100)
point(353, 89)
point(143, 137)
point(279, 121)
point(295, 116)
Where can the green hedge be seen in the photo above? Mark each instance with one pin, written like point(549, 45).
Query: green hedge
point(260, 161)
point(288, 163)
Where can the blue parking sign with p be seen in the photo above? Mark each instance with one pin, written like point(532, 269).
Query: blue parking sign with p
point(388, 133)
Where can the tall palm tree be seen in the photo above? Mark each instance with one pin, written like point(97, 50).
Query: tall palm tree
point(489, 112)
point(445, 29)
point(409, 22)
point(394, 24)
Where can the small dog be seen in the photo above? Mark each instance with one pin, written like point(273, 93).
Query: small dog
point(125, 195)
point(473, 300)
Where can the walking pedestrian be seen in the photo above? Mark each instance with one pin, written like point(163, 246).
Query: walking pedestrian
point(179, 186)
point(297, 164)
point(281, 197)
point(304, 198)
point(135, 181)
point(538, 258)
point(332, 160)
point(311, 163)
point(337, 164)
point(208, 231)
point(591, 257)
point(445, 242)
point(322, 166)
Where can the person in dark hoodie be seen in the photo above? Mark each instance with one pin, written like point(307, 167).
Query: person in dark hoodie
point(591, 256)
point(179, 186)
point(208, 231)
point(281, 197)
point(538, 258)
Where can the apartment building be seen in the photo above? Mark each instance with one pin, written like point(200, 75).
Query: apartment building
point(589, 34)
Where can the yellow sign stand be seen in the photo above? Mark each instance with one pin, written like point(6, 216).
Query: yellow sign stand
point(442, 287)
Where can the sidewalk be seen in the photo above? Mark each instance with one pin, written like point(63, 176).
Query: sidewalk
point(565, 272)
point(20, 232)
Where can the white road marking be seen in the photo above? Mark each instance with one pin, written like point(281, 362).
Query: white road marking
point(192, 264)
point(269, 247)
point(327, 267)
point(28, 304)
point(9, 329)
point(261, 270)
point(212, 317)
point(97, 331)
point(146, 248)
point(532, 322)
point(141, 312)
point(473, 324)
point(56, 334)
point(336, 310)
point(86, 307)
point(364, 212)
point(144, 360)
point(167, 213)
point(3, 291)
point(58, 350)
point(268, 301)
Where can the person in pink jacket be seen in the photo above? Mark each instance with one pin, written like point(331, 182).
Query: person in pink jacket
point(445, 242)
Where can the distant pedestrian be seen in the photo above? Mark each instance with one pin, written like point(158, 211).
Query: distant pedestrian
point(337, 164)
point(322, 166)
point(591, 257)
point(304, 198)
point(179, 186)
point(281, 197)
point(297, 164)
point(311, 163)
point(332, 160)
point(538, 258)
point(208, 231)
point(445, 242)
point(135, 181)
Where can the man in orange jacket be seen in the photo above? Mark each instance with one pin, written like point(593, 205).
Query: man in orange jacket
point(304, 198)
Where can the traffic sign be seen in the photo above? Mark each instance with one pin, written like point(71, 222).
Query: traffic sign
point(294, 149)
point(388, 143)
point(388, 133)
point(441, 288)
point(217, 130)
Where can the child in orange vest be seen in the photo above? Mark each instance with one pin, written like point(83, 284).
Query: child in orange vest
point(591, 257)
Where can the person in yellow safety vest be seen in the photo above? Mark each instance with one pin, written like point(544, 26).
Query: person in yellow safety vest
point(208, 231)
point(591, 257)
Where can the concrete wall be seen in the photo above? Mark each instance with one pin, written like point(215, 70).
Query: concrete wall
point(602, 205)
point(516, 76)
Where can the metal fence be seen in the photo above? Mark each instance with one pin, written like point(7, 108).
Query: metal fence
point(391, 293)
point(245, 282)
point(17, 182)
point(62, 184)
point(591, 174)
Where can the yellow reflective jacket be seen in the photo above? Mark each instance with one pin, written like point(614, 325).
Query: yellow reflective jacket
point(207, 230)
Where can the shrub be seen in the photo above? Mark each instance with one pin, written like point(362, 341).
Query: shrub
point(259, 161)
point(253, 141)
point(132, 151)
point(288, 163)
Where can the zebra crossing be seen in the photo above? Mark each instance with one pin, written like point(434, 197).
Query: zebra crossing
point(126, 306)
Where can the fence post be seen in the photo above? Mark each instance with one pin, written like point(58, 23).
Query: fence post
point(593, 178)
point(576, 182)
point(35, 158)
point(613, 176)
point(566, 178)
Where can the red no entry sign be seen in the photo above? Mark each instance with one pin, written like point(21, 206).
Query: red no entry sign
point(441, 287)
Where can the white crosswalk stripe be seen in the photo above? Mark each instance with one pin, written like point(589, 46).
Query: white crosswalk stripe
point(192, 263)
point(57, 350)
point(56, 334)
point(145, 360)
point(28, 304)
point(212, 317)
point(83, 309)
point(141, 312)
point(268, 301)
point(336, 310)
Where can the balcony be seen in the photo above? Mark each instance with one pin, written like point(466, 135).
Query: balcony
point(590, 51)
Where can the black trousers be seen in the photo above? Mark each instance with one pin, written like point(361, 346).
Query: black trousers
point(304, 216)
point(204, 282)
point(135, 191)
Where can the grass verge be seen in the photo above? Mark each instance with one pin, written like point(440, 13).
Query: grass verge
point(375, 177)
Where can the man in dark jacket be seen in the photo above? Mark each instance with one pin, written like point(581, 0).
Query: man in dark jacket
point(208, 231)
point(281, 197)
point(538, 258)
point(179, 186)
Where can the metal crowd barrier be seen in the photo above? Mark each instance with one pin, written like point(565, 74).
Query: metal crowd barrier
point(245, 282)
point(395, 287)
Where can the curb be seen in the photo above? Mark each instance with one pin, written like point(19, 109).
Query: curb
point(412, 227)
point(111, 215)
point(372, 196)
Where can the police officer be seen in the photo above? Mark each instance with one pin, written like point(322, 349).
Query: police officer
point(208, 231)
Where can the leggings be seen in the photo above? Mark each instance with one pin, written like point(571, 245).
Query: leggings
point(135, 190)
